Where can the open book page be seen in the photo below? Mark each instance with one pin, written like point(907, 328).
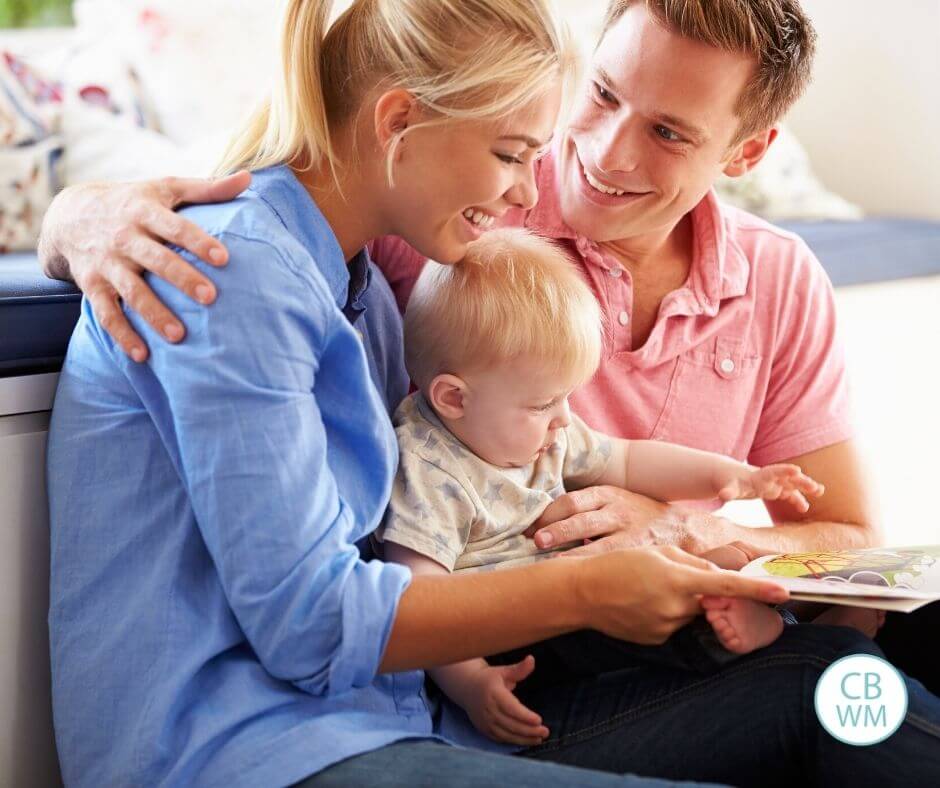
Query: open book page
point(890, 578)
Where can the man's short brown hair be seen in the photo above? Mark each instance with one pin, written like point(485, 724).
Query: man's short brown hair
point(776, 33)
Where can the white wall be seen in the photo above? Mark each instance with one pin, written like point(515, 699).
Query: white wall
point(871, 119)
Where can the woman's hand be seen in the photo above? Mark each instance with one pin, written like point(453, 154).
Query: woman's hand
point(643, 596)
point(104, 236)
point(496, 712)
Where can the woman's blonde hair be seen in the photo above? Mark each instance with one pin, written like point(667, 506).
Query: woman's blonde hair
point(460, 59)
point(514, 296)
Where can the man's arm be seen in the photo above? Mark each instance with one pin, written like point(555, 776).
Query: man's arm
point(845, 517)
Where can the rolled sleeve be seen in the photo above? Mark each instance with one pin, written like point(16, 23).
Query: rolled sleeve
point(238, 408)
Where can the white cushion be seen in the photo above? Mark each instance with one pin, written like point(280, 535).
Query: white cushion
point(784, 186)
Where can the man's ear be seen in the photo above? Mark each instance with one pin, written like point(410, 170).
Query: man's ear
point(394, 112)
point(446, 394)
point(747, 154)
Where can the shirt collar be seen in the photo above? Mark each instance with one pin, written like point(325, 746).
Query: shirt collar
point(720, 269)
point(301, 216)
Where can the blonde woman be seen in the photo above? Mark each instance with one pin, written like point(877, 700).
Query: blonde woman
point(212, 621)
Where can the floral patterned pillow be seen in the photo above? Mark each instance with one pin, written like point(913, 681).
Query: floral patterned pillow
point(30, 150)
point(36, 115)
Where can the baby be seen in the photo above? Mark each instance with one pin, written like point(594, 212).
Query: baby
point(495, 345)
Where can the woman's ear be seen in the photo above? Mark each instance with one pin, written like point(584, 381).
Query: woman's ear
point(446, 395)
point(747, 154)
point(394, 112)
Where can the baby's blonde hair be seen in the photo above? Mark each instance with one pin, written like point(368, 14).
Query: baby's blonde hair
point(460, 59)
point(513, 296)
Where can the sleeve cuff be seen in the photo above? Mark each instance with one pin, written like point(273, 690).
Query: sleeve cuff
point(791, 446)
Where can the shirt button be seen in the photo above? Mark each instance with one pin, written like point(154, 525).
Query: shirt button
point(727, 366)
point(616, 273)
point(624, 318)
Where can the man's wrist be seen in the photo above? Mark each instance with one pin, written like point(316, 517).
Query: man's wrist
point(696, 531)
point(54, 263)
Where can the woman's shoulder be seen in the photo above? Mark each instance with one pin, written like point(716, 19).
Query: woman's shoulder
point(266, 235)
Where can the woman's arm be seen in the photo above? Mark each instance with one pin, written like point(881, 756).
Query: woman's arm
point(638, 595)
point(104, 236)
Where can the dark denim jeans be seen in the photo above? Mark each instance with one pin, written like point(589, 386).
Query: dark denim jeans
point(911, 642)
point(748, 722)
point(427, 764)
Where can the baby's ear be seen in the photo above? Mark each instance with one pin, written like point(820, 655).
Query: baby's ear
point(446, 394)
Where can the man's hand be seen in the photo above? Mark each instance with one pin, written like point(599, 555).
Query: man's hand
point(610, 518)
point(499, 714)
point(104, 236)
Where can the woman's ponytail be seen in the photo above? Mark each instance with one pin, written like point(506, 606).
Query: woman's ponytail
point(292, 126)
point(460, 59)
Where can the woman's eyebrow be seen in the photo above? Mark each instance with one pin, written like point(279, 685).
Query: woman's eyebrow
point(530, 141)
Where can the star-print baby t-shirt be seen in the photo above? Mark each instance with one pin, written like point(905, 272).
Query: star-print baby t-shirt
point(461, 511)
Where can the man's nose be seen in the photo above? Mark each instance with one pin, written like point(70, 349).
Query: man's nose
point(616, 144)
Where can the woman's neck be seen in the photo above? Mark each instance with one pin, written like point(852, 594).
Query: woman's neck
point(347, 204)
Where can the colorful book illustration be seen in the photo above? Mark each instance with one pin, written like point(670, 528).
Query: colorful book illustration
point(889, 578)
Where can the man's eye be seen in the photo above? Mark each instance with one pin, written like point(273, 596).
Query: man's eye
point(668, 134)
point(507, 159)
point(603, 94)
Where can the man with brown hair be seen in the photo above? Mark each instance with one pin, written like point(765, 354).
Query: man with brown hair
point(720, 334)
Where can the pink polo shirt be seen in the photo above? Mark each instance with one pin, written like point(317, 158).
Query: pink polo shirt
point(743, 360)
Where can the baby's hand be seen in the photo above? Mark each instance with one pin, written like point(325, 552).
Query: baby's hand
point(773, 483)
point(499, 714)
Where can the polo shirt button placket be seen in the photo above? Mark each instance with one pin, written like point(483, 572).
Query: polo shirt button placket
point(623, 318)
point(615, 272)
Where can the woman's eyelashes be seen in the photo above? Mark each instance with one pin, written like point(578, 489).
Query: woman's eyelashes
point(603, 94)
point(508, 158)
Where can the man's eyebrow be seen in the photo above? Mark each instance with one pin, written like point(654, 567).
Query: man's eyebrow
point(530, 141)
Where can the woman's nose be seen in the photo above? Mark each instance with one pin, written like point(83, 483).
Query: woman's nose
point(524, 192)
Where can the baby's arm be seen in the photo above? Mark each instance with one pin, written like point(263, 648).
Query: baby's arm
point(669, 472)
point(483, 691)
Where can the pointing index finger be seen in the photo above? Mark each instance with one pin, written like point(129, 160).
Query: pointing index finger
point(726, 583)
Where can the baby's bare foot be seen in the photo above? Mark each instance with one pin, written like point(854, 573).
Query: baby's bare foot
point(865, 620)
point(742, 625)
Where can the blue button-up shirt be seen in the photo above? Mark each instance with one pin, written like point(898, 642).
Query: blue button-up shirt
point(211, 619)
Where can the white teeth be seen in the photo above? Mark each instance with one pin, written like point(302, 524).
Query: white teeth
point(602, 187)
point(478, 217)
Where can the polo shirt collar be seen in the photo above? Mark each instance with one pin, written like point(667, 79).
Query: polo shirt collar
point(720, 270)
